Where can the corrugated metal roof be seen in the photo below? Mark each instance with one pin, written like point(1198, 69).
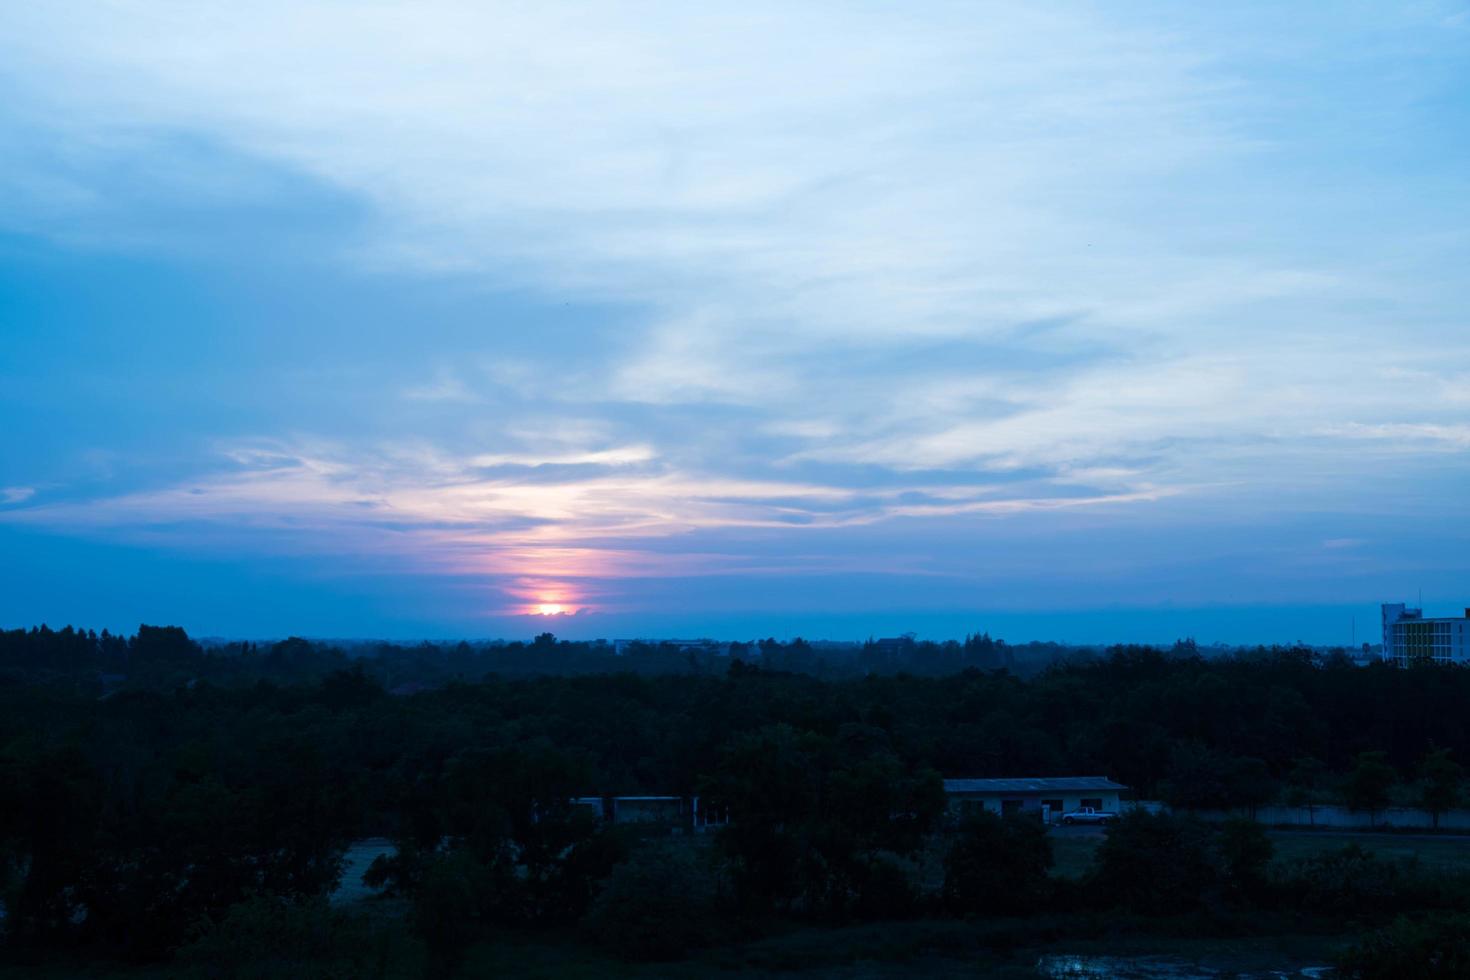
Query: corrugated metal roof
point(1056, 784)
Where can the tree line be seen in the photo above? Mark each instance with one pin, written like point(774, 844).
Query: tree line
point(158, 656)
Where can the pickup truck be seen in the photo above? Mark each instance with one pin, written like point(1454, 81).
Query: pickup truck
point(1087, 814)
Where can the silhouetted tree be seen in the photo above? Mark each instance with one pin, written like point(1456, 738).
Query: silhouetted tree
point(1441, 778)
point(1368, 784)
point(1304, 784)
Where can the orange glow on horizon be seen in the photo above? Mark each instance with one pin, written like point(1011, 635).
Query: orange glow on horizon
point(546, 597)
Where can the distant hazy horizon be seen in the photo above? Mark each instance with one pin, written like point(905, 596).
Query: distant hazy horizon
point(1318, 626)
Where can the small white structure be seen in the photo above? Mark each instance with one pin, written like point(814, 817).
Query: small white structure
point(675, 813)
point(711, 647)
point(1046, 797)
point(1409, 638)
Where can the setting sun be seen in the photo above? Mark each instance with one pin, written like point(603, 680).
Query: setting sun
point(550, 609)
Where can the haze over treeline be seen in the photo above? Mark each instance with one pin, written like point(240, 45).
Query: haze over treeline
point(153, 654)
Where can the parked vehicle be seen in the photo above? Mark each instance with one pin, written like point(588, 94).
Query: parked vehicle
point(1087, 814)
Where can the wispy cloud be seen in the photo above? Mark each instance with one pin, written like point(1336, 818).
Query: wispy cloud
point(447, 387)
point(598, 522)
point(1411, 437)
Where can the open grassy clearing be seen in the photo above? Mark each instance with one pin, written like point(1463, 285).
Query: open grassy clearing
point(876, 951)
point(1073, 847)
point(1446, 853)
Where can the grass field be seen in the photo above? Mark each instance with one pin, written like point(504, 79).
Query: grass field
point(915, 950)
point(878, 951)
point(932, 949)
point(1450, 853)
point(1073, 847)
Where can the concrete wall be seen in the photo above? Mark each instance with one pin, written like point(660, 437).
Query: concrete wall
point(1341, 816)
point(631, 810)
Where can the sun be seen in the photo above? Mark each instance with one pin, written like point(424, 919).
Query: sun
point(550, 609)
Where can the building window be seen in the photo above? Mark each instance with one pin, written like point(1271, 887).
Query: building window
point(1095, 804)
point(1008, 807)
point(1055, 805)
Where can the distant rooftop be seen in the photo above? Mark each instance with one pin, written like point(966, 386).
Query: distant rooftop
point(1410, 613)
point(1058, 784)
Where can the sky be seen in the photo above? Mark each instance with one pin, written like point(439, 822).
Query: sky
point(1069, 321)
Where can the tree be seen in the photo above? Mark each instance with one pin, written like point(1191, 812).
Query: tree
point(1369, 782)
point(1304, 784)
point(163, 644)
point(1249, 784)
point(1198, 778)
point(1441, 778)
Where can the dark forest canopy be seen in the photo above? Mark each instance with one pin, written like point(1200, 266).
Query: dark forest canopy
point(962, 707)
point(158, 656)
point(150, 783)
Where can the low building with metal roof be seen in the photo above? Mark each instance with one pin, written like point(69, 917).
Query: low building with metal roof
point(1046, 796)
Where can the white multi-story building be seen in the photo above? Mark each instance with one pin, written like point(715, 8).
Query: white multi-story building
point(1408, 637)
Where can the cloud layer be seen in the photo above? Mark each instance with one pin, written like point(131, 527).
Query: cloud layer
point(711, 288)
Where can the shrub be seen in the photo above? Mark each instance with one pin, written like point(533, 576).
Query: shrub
point(1436, 947)
point(450, 903)
point(886, 889)
point(1346, 880)
point(658, 905)
point(997, 866)
point(1158, 864)
point(1245, 852)
point(1352, 880)
point(268, 937)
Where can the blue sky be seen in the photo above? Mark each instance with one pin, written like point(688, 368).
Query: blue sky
point(1070, 321)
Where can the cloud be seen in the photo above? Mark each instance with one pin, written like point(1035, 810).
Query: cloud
point(850, 172)
point(16, 495)
point(445, 388)
point(620, 455)
point(1410, 436)
point(794, 269)
point(772, 183)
